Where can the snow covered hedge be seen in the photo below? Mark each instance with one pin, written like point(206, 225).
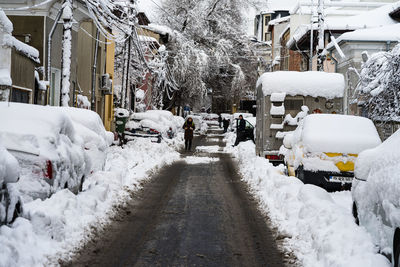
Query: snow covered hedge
point(379, 85)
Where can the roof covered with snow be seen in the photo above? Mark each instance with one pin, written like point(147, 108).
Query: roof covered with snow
point(339, 133)
point(279, 20)
point(384, 34)
point(374, 18)
point(144, 38)
point(309, 83)
point(160, 29)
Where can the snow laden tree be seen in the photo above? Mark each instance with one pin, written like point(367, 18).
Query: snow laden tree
point(188, 67)
point(213, 28)
point(379, 86)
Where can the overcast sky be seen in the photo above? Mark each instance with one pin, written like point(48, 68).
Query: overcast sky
point(150, 8)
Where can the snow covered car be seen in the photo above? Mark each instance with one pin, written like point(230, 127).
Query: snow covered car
point(235, 119)
point(376, 195)
point(211, 119)
point(48, 150)
point(89, 127)
point(10, 203)
point(153, 124)
point(323, 148)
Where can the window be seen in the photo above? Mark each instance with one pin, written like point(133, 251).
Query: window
point(294, 104)
point(267, 36)
point(248, 125)
point(267, 19)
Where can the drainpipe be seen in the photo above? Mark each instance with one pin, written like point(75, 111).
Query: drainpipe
point(93, 93)
point(49, 41)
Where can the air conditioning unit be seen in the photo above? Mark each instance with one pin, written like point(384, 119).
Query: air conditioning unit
point(106, 84)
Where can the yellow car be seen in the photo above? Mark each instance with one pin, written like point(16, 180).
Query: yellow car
point(323, 148)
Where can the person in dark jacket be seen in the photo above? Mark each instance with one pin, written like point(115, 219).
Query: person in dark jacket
point(226, 122)
point(240, 131)
point(189, 128)
point(219, 120)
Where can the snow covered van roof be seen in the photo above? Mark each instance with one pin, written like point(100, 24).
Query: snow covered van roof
point(309, 83)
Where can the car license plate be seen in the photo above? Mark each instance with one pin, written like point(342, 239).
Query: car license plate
point(340, 179)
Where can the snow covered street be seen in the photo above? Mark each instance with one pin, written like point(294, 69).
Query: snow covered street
point(51, 229)
point(193, 212)
point(314, 227)
point(318, 227)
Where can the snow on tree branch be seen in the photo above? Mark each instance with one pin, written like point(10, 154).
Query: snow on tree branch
point(380, 85)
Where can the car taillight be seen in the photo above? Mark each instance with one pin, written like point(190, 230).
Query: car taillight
point(273, 157)
point(49, 170)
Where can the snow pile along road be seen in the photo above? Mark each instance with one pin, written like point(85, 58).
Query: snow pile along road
point(319, 226)
point(50, 229)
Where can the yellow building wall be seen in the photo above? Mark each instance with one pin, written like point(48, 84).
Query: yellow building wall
point(109, 102)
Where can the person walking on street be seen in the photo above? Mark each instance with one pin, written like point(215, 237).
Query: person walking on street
point(225, 123)
point(240, 131)
point(219, 120)
point(189, 128)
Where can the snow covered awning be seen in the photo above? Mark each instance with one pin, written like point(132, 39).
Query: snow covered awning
point(309, 83)
point(27, 50)
point(277, 21)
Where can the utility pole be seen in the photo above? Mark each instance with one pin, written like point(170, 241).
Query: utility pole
point(321, 41)
point(94, 71)
point(66, 51)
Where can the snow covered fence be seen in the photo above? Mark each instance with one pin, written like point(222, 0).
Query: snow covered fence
point(52, 228)
point(319, 225)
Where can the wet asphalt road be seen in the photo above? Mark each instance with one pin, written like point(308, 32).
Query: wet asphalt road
point(186, 215)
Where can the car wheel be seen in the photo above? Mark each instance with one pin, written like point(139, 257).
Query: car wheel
point(355, 214)
point(81, 183)
point(17, 211)
point(300, 173)
point(4, 201)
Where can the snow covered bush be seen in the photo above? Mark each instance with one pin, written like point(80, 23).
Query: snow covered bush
point(379, 86)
